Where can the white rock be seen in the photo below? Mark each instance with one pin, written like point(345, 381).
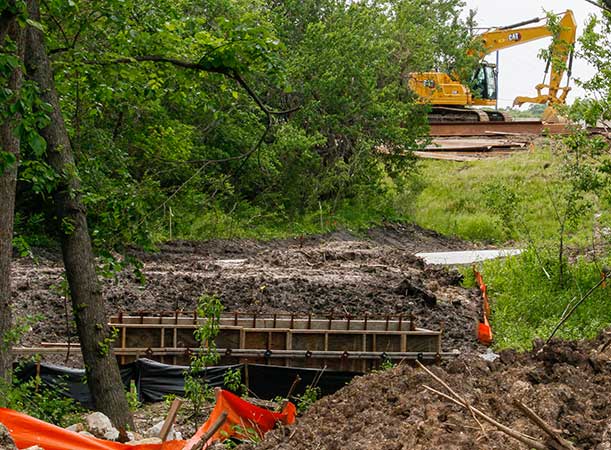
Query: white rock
point(86, 433)
point(76, 427)
point(98, 424)
point(151, 440)
point(155, 430)
point(111, 435)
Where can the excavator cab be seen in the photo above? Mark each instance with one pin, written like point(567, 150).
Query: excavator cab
point(484, 82)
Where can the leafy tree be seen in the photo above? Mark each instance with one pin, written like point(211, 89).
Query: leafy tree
point(11, 42)
point(171, 105)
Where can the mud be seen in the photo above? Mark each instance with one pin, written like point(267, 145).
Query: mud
point(339, 273)
point(567, 384)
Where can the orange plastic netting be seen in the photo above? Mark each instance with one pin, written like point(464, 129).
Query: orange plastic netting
point(243, 419)
point(27, 431)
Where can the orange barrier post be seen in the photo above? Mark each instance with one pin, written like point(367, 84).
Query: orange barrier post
point(484, 330)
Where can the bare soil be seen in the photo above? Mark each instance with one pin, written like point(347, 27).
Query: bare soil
point(340, 273)
point(567, 384)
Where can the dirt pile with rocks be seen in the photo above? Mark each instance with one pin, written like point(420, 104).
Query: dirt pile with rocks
point(339, 273)
point(566, 383)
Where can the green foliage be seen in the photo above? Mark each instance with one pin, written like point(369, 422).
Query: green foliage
point(246, 435)
point(165, 151)
point(133, 399)
point(595, 48)
point(42, 402)
point(307, 399)
point(21, 326)
point(105, 345)
point(232, 380)
point(196, 389)
point(526, 304)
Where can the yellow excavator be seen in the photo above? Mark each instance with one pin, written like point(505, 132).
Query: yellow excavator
point(452, 101)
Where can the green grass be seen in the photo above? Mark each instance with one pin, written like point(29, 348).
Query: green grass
point(511, 202)
point(527, 305)
point(466, 199)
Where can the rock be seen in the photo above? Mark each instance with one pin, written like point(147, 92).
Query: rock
point(76, 427)
point(111, 435)
point(133, 436)
point(100, 426)
point(86, 433)
point(6, 441)
point(155, 430)
point(150, 440)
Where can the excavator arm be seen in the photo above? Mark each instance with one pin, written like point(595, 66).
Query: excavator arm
point(451, 100)
point(513, 35)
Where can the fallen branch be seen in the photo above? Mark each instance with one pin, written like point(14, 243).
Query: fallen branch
point(213, 429)
point(528, 440)
point(563, 443)
point(170, 419)
point(566, 316)
point(462, 400)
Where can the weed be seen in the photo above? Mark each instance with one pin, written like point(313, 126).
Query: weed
point(308, 398)
point(37, 400)
point(526, 304)
point(133, 399)
point(196, 388)
point(232, 380)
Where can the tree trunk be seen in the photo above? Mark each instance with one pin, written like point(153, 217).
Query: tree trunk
point(9, 143)
point(103, 376)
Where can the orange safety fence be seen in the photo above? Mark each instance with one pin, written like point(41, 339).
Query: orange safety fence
point(243, 419)
point(484, 330)
point(27, 431)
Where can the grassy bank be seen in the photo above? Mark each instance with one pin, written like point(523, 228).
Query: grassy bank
point(518, 201)
point(526, 304)
point(497, 200)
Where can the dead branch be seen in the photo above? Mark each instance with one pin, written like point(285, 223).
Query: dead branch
point(213, 429)
point(604, 8)
point(462, 400)
point(530, 441)
point(563, 443)
point(566, 316)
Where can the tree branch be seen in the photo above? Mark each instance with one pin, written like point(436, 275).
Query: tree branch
point(604, 8)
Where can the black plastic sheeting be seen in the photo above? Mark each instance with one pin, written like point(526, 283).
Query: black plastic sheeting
point(155, 380)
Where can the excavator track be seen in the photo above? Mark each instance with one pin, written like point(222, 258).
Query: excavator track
point(446, 114)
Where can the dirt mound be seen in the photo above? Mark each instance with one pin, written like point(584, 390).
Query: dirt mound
point(566, 383)
point(339, 274)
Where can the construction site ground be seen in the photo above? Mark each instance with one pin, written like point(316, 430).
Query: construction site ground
point(567, 384)
point(341, 273)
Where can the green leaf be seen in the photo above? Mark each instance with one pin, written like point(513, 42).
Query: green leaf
point(37, 144)
point(35, 24)
point(7, 159)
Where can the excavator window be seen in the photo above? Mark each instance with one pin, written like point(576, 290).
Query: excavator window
point(484, 82)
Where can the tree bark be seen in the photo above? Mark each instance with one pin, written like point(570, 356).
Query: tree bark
point(103, 376)
point(9, 142)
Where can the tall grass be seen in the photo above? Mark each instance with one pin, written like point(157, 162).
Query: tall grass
point(467, 199)
point(526, 304)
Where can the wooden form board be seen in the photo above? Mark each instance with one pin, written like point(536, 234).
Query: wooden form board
point(357, 344)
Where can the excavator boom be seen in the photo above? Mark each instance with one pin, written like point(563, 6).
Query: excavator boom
point(448, 95)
